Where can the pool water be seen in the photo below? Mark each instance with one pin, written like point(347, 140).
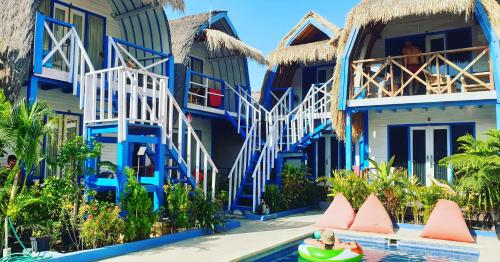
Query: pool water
point(374, 252)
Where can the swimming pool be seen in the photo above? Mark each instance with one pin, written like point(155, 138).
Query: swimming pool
point(377, 251)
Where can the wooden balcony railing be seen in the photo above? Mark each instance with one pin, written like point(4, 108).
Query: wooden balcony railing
point(444, 72)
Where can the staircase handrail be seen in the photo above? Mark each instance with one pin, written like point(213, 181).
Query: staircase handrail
point(242, 161)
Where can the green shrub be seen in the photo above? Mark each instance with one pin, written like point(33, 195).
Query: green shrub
point(353, 187)
point(139, 207)
point(103, 225)
point(294, 187)
point(204, 213)
point(274, 198)
point(178, 205)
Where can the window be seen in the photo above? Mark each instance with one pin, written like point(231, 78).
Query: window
point(68, 127)
point(196, 65)
point(457, 131)
point(398, 145)
point(95, 43)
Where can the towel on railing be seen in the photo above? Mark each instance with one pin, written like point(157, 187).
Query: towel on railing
point(214, 97)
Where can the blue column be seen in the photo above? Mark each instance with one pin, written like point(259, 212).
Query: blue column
point(122, 162)
point(186, 91)
point(38, 43)
point(498, 114)
point(159, 175)
point(32, 93)
point(348, 140)
point(171, 74)
point(363, 144)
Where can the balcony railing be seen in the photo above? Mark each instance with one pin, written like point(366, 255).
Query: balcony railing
point(443, 72)
point(205, 90)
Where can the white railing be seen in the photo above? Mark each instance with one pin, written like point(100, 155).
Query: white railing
point(284, 130)
point(316, 105)
point(274, 127)
point(126, 95)
point(249, 112)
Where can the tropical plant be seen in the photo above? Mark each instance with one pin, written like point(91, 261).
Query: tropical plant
point(274, 199)
point(139, 207)
point(429, 196)
point(72, 155)
point(5, 133)
point(477, 170)
point(353, 187)
point(294, 186)
point(177, 205)
point(203, 212)
point(103, 225)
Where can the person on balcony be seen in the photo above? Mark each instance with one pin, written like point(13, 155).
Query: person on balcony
point(412, 62)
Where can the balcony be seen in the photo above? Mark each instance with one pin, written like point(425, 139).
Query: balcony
point(212, 95)
point(459, 74)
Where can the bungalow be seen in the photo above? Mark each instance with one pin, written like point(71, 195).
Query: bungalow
point(294, 110)
point(304, 59)
point(106, 68)
point(212, 82)
point(412, 77)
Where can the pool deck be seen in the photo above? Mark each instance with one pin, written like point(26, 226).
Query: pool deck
point(254, 237)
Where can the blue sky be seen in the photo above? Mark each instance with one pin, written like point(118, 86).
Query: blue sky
point(263, 23)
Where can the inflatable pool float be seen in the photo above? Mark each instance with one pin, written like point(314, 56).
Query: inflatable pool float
point(313, 254)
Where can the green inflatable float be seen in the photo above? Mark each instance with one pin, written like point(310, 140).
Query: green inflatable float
point(313, 254)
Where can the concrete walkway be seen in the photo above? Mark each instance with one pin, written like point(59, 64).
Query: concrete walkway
point(254, 237)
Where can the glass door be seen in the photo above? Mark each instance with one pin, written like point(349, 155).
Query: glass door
point(436, 43)
point(429, 145)
point(61, 13)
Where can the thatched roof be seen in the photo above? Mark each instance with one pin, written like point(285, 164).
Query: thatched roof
point(174, 4)
point(369, 12)
point(311, 14)
point(217, 40)
point(186, 30)
point(321, 51)
point(17, 20)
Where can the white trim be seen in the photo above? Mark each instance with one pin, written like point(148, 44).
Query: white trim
point(209, 109)
point(419, 99)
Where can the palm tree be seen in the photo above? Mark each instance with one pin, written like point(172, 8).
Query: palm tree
point(478, 170)
point(24, 129)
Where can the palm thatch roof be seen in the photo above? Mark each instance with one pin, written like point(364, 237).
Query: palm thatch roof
point(174, 4)
point(17, 21)
point(370, 12)
point(311, 14)
point(321, 51)
point(186, 30)
point(217, 40)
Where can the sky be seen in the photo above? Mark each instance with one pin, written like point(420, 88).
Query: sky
point(263, 23)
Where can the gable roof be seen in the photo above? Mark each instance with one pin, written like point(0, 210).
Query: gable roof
point(187, 29)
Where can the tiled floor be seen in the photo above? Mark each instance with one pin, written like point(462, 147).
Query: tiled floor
point(254, 237)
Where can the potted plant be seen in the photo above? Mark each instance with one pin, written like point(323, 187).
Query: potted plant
point(40, 239)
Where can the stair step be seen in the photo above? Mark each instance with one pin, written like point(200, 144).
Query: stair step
point(245, 196)
point(241, 207)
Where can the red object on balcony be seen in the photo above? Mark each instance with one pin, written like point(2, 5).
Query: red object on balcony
point(214, 97)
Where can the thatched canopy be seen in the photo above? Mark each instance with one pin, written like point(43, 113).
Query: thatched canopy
point(217, 40)
point(310, 15)
point(186, 30)
point(309, 53)
point(371, 12)
point(174, 4)
point(17, 20)
point(313, 42)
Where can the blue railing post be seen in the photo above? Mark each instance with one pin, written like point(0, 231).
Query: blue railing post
point(38, 48)
point(186, 91)
point(348, 140)
point(171, 72)
point(223, 91)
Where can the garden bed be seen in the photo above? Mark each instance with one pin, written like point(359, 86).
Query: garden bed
point(251, 216)
point(122, 249)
